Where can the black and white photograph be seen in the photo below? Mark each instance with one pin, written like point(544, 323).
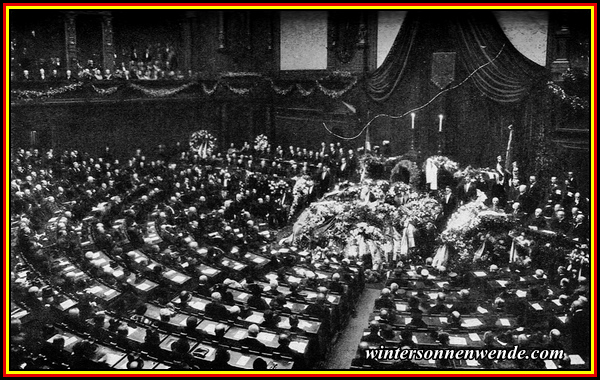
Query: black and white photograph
point(285, 189)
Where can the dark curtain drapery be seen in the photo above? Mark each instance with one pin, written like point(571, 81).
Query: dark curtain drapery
point(477, 110)
point(384, 81)
point(477, 38)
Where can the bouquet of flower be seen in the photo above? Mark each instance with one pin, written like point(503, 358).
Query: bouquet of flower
point(398, 193)
point(368, 232)
point(443, 162)
point(203, 142)
point(278, 187)
point(261, 143)
point(421, 212)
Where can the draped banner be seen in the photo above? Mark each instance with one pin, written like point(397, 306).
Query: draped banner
point(442, 69)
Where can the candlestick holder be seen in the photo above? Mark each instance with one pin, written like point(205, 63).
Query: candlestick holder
point(440, 142)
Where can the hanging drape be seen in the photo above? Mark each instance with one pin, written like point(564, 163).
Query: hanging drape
point(477, 38)
point(384, 81)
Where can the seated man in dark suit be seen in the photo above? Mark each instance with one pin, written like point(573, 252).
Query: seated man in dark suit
point(464, 304)
point(373, 337)
point(440, 307)
point(215, 309)
point(256, 301)
point(538, 219)
point(284, 349)
point(417, 320)
point(251, 340)
point(362, 361)
point(221, 361)
point(384, 301)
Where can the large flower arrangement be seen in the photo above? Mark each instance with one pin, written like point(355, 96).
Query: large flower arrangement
point(422, 212)
point(261, 143)
point(338, 221)
point(469, 227)
point(203, 142)
point(399, 193)
point(278, 187)
point(413, 170)
point(470, 171)
point(442, 162)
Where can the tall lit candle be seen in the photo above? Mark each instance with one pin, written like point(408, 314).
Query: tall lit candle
point(441, 118)
point(412, 123)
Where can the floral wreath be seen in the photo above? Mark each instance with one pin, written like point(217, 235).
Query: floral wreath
point(261, 143)
point(413, 170)
point(203, 142)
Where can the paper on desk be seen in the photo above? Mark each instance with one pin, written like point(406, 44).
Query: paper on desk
point(504, 322)
point(537, 306)
point(118, 273)
point(258, 260)
point(67, 304)
point(458, 341)
point(481, 310)
point(210, 328)
point(95, 289)
point(197, 305)
point(243, 296)
point(576, 360)
point(550, 364)
point(563, 319)
point(70, 340)
point(474, 337)
point(110, 292)
point(557, 302)
point(472, 322)
point(480, 274)
point(521, 293)
point(239, 335)
point(331, 298)
point(170, 273)
point(303, 324)
point(298, 346)
point(502, 283)
point(444, 319)
point(407, 320)
point(414, 339)
point(143, 286)
point(209, 271)
point(472, 363)
point(255, 318)
point(178, 279)
point(265, 336)
point(242, 360)
point(401, 307)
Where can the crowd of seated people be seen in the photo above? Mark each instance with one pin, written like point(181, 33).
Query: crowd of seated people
point(100, 244)
point(499, 308)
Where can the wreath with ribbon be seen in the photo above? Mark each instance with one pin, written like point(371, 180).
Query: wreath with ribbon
point(203, 142)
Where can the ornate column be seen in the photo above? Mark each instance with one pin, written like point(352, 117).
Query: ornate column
point(248, 30)
point(561, 52)
point(70, 40)
point(221, 31)
point(108, 49)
